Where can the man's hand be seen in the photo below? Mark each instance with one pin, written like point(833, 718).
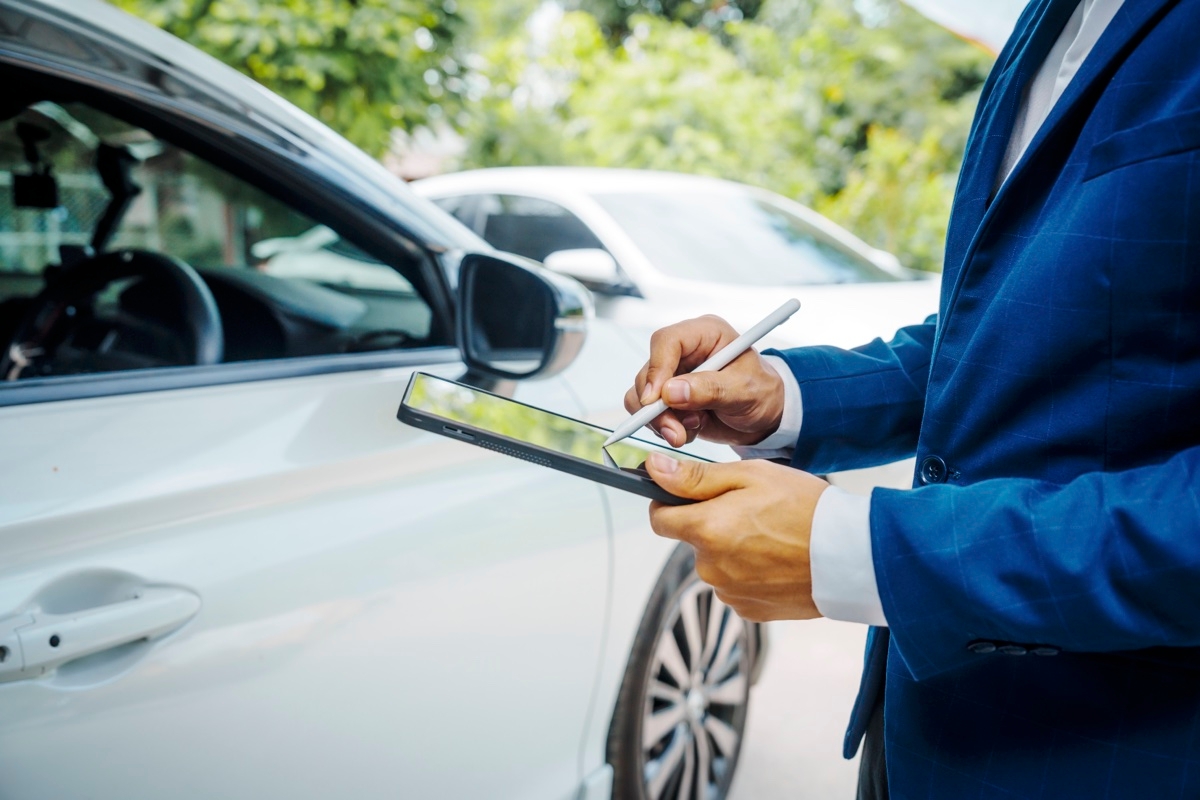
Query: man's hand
point(750, 531)
point(740, 404)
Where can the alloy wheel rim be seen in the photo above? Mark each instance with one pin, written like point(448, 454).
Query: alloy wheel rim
point(695, 698)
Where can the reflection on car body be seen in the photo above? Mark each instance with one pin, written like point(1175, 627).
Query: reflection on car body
point(273, 587)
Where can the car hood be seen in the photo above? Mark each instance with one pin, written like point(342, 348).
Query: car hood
point(844, 315)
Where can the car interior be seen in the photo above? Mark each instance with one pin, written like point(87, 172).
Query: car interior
point(120, 250)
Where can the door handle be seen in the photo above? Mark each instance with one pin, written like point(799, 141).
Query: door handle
point(36, 643)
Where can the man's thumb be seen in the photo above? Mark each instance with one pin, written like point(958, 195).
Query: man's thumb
point(695, 480)
point(698, 391)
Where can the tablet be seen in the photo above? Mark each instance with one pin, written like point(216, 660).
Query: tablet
point(533, 434)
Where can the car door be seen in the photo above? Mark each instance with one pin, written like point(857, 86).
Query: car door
point(250, 580)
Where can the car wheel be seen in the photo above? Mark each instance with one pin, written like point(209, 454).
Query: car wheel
point(677, 729)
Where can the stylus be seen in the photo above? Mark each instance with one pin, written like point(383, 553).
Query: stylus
point(717, 361)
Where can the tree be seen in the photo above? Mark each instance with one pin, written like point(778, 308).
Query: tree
point(614, 15)
point(858, 108)
point(670, 98)
point(363, 67)
point(897, 196)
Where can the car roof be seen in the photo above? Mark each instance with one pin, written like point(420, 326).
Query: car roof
point(585, 180)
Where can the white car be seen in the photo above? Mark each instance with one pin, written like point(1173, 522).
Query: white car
point(658, 247)
point(226, 569)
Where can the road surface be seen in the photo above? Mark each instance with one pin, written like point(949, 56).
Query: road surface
point(798, 711)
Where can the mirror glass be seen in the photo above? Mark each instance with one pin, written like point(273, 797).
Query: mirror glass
point(509, 316)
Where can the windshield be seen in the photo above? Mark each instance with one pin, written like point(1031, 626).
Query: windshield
point(728, 237)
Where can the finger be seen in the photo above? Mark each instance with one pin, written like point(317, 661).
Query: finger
point(712, 333)
point(676, 433)
point(665, 348)
point(635, 393)
point(686, 523)
point(696, 480)
point(671, 429)
point(672, 522)
point(681, 347)
point(727, 390)
point(631, 400)
point(666, 425)
point(703, 391)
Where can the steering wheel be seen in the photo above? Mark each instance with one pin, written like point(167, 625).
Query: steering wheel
point(62, 333)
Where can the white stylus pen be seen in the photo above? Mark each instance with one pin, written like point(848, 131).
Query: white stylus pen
point(717, 361)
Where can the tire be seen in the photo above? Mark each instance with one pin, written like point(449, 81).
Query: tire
point(677, 729)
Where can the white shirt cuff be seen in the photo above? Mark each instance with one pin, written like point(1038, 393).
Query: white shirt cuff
point(780, 443)
point(843, 574)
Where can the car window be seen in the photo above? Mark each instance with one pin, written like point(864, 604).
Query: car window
point(734, 237)
point(461, 208)
point(531, 227)
point(284, 285)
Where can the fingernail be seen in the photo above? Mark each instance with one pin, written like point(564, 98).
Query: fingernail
point(690, 420)
point(662, 463)
point(677, 391)
point(647, 395)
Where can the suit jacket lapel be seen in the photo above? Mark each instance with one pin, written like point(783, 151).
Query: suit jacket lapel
point(972, 210)
point(1095, 72)
point(1035, 34)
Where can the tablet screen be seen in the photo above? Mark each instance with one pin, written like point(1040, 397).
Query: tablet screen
point(458, 403)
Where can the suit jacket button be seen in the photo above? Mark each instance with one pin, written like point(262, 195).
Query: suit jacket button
point(932, 470)
point(982, 647)
point(1045, 650)
point(1012, 650)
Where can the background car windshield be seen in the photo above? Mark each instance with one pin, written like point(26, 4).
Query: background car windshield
point(734, 238)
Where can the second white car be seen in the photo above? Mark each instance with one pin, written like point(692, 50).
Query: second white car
point(657, 247)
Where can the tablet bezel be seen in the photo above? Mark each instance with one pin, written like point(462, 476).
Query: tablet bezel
point(636, 482)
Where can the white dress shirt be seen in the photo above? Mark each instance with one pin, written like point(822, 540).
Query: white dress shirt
point(843, 571)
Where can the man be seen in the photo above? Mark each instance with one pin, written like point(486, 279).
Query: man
point(1036, 598)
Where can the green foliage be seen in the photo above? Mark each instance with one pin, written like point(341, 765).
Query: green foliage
point(670, 97)
point(363, 67)
point(491, 20)
point(615, 16)
point(860, 109)
point(897, 196)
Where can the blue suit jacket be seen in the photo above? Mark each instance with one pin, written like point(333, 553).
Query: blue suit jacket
point(1042, 582)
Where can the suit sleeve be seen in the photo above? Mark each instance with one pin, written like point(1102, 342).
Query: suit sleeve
point(862, 407)
point(1108, 562)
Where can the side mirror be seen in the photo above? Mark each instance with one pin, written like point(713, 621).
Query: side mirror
point(517, 320)
point(592, 266)
point(888, 261)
